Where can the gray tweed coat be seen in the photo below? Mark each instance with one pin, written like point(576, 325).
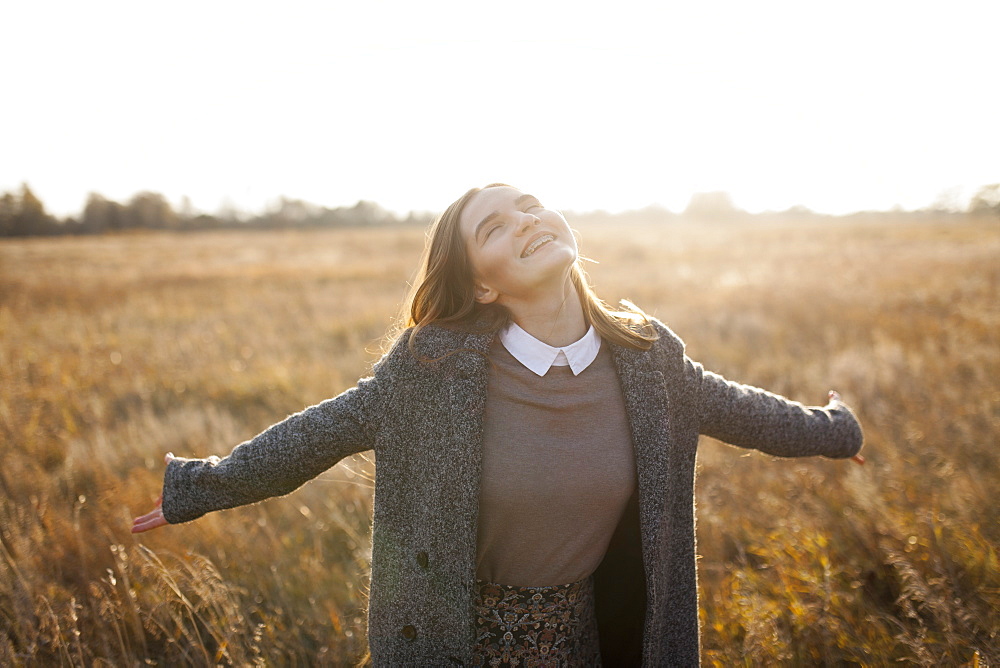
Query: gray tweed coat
point(424, 422)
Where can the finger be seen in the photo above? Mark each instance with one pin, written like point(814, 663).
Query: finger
point(167, 458)
point(147, 517)
point(834, 395)
point(142, 524)
point(858, 459)
point(149, 521)
point(140, 528)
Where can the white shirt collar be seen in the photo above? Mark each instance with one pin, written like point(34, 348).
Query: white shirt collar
point(540, 356)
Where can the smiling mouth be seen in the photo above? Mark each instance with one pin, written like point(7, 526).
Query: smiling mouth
point(537, 243)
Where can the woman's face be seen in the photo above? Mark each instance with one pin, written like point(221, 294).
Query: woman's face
point(515, 245)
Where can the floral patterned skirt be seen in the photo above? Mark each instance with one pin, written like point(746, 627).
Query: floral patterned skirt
point(536, 626)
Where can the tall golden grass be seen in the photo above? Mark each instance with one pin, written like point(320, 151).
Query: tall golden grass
point(117, 349)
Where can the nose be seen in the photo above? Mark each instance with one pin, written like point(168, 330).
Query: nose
point(527, 221)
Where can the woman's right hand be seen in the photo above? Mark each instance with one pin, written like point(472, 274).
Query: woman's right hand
point(153, 518)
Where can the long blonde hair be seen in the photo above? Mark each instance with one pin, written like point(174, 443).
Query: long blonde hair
point(443, 291)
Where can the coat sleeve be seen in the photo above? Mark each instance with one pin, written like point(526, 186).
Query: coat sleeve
point(278, 460)
point(750, 417)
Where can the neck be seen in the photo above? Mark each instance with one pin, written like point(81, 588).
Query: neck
point(554, 317)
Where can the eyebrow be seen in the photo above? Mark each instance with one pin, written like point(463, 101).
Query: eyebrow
point(523, 198)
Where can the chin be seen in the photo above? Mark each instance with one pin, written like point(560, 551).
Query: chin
point(570, 254)
point(559, 260)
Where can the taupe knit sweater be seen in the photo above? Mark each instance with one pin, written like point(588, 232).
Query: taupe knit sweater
point(424, 422)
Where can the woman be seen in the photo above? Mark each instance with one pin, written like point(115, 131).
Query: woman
point(535, 457)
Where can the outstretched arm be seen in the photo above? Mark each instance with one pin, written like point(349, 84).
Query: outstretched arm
point(750, 417)
point(274, 463)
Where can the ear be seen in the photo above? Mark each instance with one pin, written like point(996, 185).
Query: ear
point(485, 294)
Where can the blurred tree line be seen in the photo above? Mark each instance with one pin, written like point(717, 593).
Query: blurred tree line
point(23, 214)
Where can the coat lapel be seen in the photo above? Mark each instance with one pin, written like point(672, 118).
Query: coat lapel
point(468, 376)
point(646, 402)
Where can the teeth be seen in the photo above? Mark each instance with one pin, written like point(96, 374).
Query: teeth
point(536, 243)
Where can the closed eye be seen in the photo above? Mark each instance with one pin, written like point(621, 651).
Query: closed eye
point(532, 204)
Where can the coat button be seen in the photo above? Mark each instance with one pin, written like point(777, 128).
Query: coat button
point(422, 559)
point(409, 632)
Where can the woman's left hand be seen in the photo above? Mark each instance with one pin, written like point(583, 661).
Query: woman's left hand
point(835, 396)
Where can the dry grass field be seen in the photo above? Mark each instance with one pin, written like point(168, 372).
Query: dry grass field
point(115, 350)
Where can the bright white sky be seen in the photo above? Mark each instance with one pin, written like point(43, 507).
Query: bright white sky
point(837, 106)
